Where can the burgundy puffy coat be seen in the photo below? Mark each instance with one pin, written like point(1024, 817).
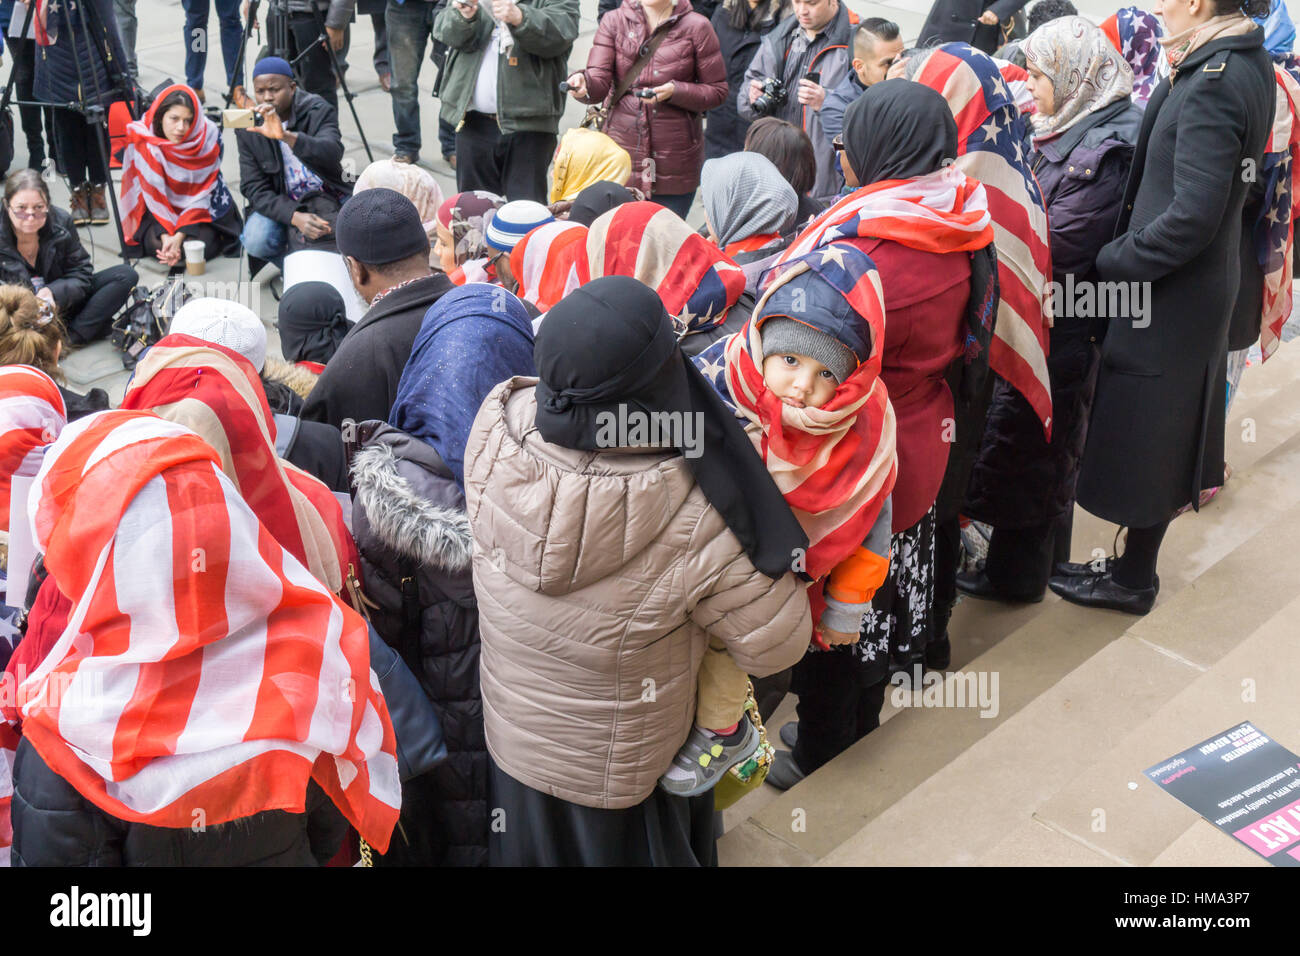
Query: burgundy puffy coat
point(666, 140)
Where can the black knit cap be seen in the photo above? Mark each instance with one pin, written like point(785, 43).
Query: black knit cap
point(378, 226)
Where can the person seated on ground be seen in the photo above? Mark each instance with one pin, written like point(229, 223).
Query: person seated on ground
point(97, 784)
point(791, 151)
point(460, 236)
point(805, 374)
point(585, 157)
point(413, 182)
point(409, 519)
point(749, 211)
point(312, 321)
point(290, 166)
point(31, 334)
point(386, 251)
point(638, 551)
point(699, 286)
point(511, 223)
point(172, 187)
point(549, 263)
point(313, 446)
point(599, 198)
point(40, 250)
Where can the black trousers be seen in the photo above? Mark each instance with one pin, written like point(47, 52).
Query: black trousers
point(511, 165)
point(151, 235)
point(836, 708)
point(37, 121)
point(78, 154)
point(109, 291)
point(1020, 560)
point(315, 71)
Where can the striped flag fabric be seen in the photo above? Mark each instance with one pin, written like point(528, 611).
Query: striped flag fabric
point(176, 182)
point(216, 392)
point(204, 675)
point(653, 245)
point(550, 262)
point(1274, 232)
point(991, 148)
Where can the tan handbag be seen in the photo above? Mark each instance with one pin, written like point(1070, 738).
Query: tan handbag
point(598, 116)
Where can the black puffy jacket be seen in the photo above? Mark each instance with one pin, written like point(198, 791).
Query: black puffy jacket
point(54, 825)
point(61, 262)
point(408, 517)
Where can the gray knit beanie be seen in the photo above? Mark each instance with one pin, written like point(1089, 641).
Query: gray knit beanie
point(782, 336)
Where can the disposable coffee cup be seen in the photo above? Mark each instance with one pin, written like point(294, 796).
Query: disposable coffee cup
point(194, 262)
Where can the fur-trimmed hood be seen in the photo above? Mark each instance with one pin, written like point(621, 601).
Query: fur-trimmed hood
point(410, 501)
point(300, 379)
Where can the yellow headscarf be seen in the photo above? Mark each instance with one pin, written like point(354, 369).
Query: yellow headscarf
point(585, 157)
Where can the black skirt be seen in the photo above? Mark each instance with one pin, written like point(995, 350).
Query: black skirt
point(531, 828)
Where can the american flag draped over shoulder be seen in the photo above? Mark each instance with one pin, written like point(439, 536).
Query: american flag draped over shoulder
point(1275, 229)
point(835, 465)
point(991, 149)
point(204, 674)
point(550, 262)
point(32, 415)
point(653, 245)
point(217, 393)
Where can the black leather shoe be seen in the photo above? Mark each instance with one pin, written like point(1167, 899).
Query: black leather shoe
point(977, 584)
point(938, 654)
point(784, 773)
point(789, 733)
point(1083, 569)
point(1102, 591)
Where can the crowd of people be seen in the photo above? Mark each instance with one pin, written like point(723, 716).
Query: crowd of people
point(509, 569)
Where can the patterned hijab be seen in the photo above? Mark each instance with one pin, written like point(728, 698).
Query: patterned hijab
point(745, 195)
point(583, 158)
point(1087, 73)
point(1136, 34)
point(466, 216)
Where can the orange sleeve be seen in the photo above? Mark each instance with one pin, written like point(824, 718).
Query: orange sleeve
point(855, 579)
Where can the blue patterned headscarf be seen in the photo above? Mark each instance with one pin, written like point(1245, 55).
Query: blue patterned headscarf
point(472, 339)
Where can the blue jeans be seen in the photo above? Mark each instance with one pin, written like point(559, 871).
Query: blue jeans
point(264, 238)
point(679, 203)
point(409, 26)
point(196, 35)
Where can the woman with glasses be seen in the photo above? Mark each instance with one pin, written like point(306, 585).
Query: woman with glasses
point(40, 250)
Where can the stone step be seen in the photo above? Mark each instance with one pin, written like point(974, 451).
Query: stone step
point(1000, 780)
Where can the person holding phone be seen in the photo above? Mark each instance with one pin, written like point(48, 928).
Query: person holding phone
point(668, 59)
point(500, 90)
point(809, 53)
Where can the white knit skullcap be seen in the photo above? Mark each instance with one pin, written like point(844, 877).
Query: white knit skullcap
point(224, 322)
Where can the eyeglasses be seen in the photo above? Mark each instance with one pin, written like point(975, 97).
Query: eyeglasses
point(29, 212)
point(837, 143)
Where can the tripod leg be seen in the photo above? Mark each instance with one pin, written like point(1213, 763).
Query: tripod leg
point(343, 83)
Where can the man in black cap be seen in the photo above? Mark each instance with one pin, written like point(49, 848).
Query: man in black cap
point(386, 251)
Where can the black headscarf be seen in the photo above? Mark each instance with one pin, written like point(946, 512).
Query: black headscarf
point(597, 199)
point(611, 343)
point(312, 322)
point(897, 130)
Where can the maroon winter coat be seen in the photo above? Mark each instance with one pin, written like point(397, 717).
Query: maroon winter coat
point(665, 140)
point(925, 309)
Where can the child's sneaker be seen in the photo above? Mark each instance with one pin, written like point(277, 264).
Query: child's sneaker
point(706, 756)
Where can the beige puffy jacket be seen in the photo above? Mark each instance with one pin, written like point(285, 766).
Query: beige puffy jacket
point(600, 577)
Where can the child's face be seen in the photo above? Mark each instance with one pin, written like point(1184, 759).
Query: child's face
point(799, 381)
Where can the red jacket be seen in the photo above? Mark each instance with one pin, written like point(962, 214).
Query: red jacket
point(665, 140)
point(925, 310)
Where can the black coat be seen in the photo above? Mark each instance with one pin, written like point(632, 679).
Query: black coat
point(360, 379)
point(54, 825)
point(1019, 480)
point(319, 146)
point(725, 130)
point(413, 536)
point(85, 64)
point(61, 261)
point(954, 20)
point(1244, 329)
point(1157, 433)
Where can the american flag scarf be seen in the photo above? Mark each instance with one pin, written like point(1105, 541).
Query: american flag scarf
point(1274, 232)
point(32, 415)
point(216, 393)
point(550, 262)
point(1136, 35)
point(653, 245)
point(991, 149)
point(205, 675)
point(834, 465)
point(177, 182)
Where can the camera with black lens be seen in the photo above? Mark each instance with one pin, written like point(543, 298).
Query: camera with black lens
point(772, 98)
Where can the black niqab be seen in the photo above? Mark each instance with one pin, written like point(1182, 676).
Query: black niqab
point(312, 322)
point(610, 343)
point(598, 199)
point(898, 130)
